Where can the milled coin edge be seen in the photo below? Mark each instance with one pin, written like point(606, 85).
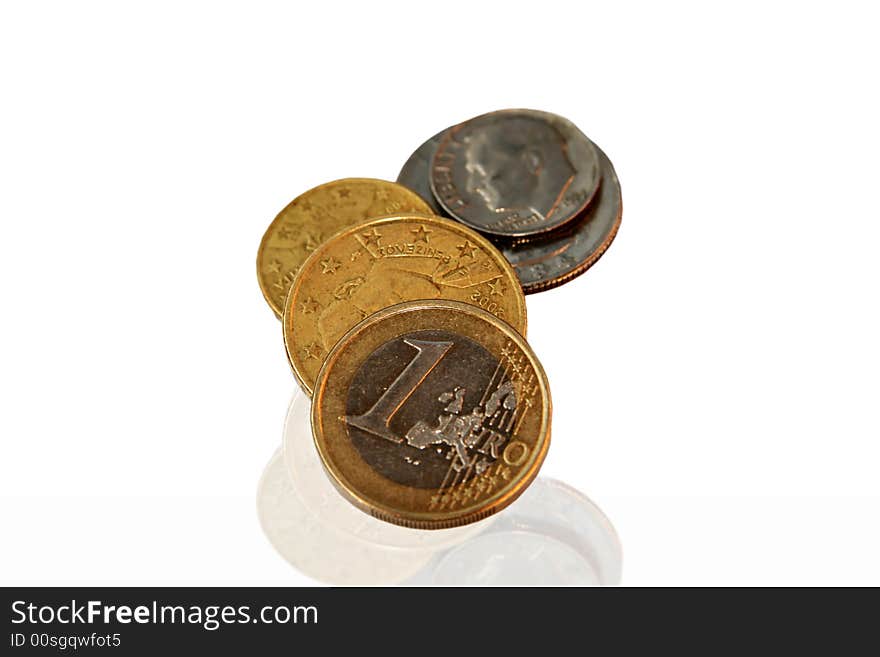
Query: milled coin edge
point(428, 519)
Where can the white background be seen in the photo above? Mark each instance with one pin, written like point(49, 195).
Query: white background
point(715, 375)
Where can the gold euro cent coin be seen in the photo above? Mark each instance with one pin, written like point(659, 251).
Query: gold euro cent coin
point(316, 215)
point(431, 414)
point(368, 267)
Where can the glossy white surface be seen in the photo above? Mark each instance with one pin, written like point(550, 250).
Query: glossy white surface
point(714, 376)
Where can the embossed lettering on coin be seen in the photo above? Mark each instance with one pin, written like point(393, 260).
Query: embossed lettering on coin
point(317, 214)
point(544, 261)
point(371, 266)
point(415, 173)
point(557, 258)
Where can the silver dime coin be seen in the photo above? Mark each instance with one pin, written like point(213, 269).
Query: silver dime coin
point(544, 263)
point(514, 173)
point(553, 259)
point(414, 173)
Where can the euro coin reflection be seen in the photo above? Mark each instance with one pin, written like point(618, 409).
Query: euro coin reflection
point(552, 535)
point(317, 548)
point(323, 500)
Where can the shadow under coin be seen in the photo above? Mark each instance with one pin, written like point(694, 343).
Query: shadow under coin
point(552, 535)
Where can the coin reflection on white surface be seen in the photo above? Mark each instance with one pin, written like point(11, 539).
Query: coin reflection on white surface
point(552, 536)
point(323, 500)
point(316, 547)
point(514, 558)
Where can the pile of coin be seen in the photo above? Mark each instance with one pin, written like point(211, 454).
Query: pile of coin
point(545, 195)
point(403, 311)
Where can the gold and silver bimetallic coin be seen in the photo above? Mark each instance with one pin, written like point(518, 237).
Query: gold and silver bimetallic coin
point(431, 414)
point(373, 265)
point(315, 215)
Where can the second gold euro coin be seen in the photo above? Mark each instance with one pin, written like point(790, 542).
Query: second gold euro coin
point(368, 267)
point(317, 214)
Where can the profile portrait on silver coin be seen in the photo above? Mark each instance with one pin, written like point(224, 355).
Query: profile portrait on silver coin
point(514, 173)
point(517, 165)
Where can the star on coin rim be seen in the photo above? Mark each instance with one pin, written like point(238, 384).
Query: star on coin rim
point(264, 284)
point(432, 519)
point(470, 236)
